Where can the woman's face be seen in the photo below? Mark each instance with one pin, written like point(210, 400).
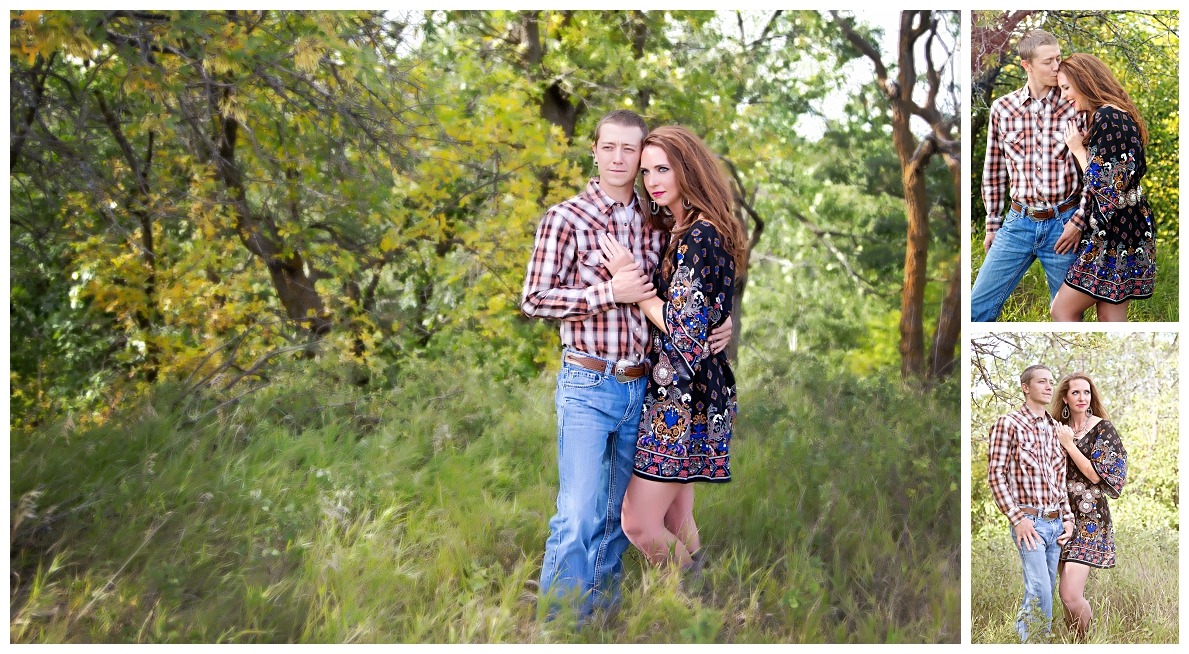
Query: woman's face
point(1078, 395)
point(1070, 93)
point(659, 179)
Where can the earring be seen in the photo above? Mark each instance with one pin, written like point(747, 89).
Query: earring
point(1089, 412)
point(1065, 413)
point(685, 203)
point(653, 207)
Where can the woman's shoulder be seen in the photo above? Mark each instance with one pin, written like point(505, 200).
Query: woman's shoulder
point(1109, 114)
point(702, 230)
point(1106, 426)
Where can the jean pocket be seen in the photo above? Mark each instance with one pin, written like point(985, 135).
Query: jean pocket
point(577, 378)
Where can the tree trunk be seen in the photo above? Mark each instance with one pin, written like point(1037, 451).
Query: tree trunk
point(258, 233)
point(949, 329)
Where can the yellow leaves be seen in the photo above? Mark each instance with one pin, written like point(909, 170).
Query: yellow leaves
point(389, 242)
point(306, 54)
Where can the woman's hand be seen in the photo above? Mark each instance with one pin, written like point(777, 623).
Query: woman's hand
point(615, 256)
point(1073, 139)
point(1065, 435)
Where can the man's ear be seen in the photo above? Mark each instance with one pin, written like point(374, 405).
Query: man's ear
point(1026, 65)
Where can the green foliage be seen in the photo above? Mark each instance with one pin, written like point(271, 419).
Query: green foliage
point(317, 512)
point(1134, 602)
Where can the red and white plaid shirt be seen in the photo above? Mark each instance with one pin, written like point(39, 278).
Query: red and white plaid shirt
point(566, 279)
point(1026, 465)
point(1026, 145)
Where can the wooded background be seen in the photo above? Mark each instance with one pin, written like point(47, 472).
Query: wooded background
point(1138, 382)
point(269, 378)
point(1142, 49)
point(365, 186)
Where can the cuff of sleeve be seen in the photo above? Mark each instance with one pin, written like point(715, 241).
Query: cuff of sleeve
point(1079, 219)
point(1015, 515)
point(993, 223)
point(600, 297)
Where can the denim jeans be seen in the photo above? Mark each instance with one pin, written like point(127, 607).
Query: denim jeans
point(597, 420)
point(1040, 576)
point(1018, 243)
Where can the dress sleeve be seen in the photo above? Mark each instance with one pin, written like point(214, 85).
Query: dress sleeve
point(1109, 459)
point(1114, 156)
point(701, 293)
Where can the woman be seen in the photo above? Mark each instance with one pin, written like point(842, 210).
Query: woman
point(1116, 258)
point(1095, 468)
point(689, 403)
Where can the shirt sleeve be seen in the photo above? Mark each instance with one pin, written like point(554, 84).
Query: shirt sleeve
point(1111, 161)
point(994, 174)
point(546, 295)
point(1109, 459)
point(1002, 441)
point(701, 293)
point(1061, 469)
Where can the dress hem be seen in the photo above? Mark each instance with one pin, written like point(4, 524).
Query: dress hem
point(687, 480)
point(1107, 299)
point(1092, 565)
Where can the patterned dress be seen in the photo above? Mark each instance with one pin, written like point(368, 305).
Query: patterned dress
point(1116, 258)
point(689, 404)
point(1093, 541)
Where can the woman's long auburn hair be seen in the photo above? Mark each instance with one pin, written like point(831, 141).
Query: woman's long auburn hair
point(703, 185)
point(1090, 77)
point(1059, 398)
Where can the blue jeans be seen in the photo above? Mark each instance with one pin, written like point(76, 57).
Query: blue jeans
point(1040, 576)
point(1018, 243)
point(597, 420)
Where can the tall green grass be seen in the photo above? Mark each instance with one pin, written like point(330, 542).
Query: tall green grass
point(316, 512)
point(1134, 602)
point(1030, 301)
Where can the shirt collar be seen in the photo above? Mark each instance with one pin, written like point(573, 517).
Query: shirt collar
point(604, 202)
point(1021, 97)
point(1043, 417)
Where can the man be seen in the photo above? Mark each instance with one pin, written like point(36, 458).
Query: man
point(1026, 146)
point(1026, 472)
point(601, 384)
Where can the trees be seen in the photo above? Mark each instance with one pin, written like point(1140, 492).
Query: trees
point(914, 156)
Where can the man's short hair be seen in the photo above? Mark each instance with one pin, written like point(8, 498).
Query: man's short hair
point(1030, 372)
point(1032, 40)
point(625, 117)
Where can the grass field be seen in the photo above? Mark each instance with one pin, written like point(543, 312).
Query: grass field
point(314, 512)
point(1134, 602)
point(1030, 301)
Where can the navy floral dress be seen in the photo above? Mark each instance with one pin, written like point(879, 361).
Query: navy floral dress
point(689, 404)
point(1093, 541)
point(1116, 258)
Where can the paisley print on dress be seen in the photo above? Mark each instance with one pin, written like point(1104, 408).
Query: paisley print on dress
point(1093, 541)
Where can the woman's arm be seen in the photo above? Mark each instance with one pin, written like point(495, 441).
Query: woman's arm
point(1083, 464)
point(654, 310)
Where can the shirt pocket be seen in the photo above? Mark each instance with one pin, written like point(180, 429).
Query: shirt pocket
point(1029, 449)
point(590, 263)
point(1013, 147)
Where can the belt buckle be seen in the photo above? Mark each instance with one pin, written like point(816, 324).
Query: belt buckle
point(621, 369)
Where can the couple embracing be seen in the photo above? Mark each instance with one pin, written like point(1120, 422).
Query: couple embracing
point(643, 286)
point(1051, 477)
point(1070, 145)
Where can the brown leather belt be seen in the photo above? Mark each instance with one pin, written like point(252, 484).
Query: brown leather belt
point(623, 370)
point(1051, 515)
point(1036, 213)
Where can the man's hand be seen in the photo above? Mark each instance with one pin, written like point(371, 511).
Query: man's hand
point(1069, 238)
point(721, 336)
point(630, 285)
point(990, 238)
point(1026, 534)
point(1064, 538)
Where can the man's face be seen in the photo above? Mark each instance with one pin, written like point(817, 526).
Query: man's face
point(1040, 387)
point(1042, 69)
point(618, 154)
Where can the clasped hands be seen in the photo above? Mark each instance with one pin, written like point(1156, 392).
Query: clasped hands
point(629, 284)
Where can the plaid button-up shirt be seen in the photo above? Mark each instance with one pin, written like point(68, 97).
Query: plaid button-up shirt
point(1026, 465)
point(566, 279)
point(1026, 146)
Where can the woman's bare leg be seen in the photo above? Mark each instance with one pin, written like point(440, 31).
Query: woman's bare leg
point(679, 519)
point(645, 505)
point(1070, 304)
point(1073, 584)
point(1108, 312)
